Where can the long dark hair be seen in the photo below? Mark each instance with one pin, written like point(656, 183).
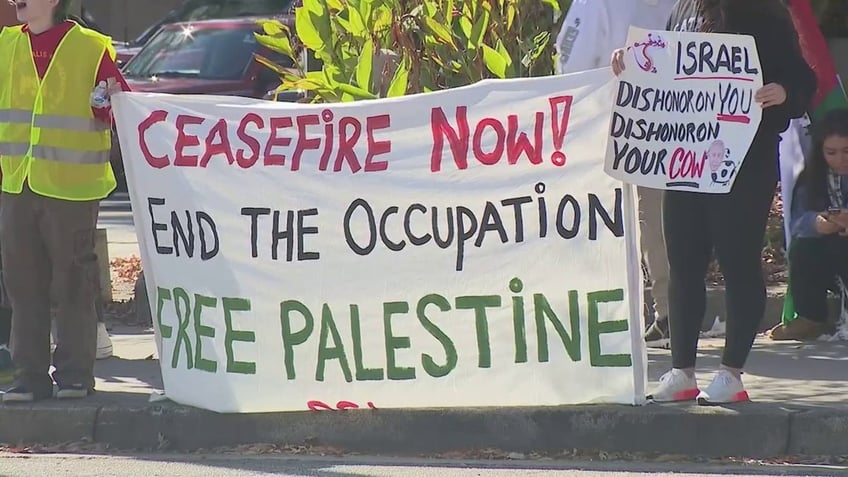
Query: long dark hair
point(814, 176)
point(721, 15)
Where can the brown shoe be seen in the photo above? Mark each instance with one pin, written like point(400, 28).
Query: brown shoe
point(799, 329)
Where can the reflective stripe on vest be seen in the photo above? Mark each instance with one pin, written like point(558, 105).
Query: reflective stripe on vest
point(69, 123)
point(15, 116)
point(58, 154)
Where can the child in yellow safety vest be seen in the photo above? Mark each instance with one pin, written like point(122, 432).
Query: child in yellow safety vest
point(55, 138)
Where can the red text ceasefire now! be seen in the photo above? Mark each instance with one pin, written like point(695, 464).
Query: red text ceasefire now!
point(349, 143)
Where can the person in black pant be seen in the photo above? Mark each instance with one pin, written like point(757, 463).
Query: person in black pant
point(819, 253)
point(731, 225)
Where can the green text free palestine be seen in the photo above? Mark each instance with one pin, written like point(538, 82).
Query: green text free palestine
point(319, 329)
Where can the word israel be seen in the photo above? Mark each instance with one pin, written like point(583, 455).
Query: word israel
point(684, 113)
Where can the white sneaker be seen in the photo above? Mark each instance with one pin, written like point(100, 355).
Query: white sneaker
point(104, 342)
point(675, 385)
point(726, 388)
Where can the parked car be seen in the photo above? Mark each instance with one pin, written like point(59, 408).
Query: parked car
point(199, 10)
point(207, 57)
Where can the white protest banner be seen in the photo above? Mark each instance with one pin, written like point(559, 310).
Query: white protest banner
point(684, 115)
point(459, 248)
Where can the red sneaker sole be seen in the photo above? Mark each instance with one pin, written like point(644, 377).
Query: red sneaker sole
point(688, 395)
point(741, 396)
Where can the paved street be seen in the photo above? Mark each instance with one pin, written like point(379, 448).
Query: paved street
point(225, 466)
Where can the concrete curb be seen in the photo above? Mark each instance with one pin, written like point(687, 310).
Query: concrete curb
point(819, 432)
point(750, 430)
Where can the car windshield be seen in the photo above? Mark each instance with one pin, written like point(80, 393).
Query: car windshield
point(202, 53)
point(196, 10)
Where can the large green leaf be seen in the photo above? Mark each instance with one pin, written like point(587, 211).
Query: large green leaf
point(465, 26)
point(507, 58)
point(510, 14)
point(382, 19)
point(554, 4)
point(443, 34)
point(365, 66)
point(540, 43)
point(479, 30)
point(400, 81)
point(342, 23)
point(333, 75)
point(319, 16)
point(357, 23)
point(494, 61)
point(307, 26)
point(283, 72)
point(280, 44)
point(365, 9)
point(430, 8)
point(358, 93)
point(273, 27)
point(449, 8)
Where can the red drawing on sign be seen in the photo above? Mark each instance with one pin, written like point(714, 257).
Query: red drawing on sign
point(340, 406)
point(641, 51)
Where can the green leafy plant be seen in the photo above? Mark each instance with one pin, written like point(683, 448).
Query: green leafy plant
point(385, 48)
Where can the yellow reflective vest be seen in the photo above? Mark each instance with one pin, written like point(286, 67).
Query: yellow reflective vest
point(49, 138)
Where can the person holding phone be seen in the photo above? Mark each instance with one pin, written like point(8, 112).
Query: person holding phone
point(819, 253)
point(732, 225)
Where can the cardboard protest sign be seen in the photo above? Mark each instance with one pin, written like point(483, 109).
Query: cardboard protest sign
point(684, 115)
point(460, 248)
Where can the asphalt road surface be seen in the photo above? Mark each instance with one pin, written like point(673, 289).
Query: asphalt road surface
point(57, 465)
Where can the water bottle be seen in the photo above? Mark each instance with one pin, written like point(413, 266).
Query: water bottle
point(100, 96)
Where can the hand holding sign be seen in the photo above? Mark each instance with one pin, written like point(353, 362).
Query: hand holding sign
point(770, 95)
point(617, 61)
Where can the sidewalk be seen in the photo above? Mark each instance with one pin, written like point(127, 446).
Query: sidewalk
point(801, 407)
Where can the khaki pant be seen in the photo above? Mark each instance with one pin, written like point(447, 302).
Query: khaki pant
point(48, 245)
point(653, 246)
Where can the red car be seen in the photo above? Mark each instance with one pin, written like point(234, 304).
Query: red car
point(198, 10)
point(207, 57)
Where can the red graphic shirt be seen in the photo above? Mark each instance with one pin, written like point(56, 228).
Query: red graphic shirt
point(44, 45)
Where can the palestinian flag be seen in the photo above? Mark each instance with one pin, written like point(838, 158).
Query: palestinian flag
point(830, 95)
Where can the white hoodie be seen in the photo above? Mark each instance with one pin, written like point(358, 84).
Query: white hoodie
point(594, 28)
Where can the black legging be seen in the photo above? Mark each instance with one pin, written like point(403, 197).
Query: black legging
point(5, 325)
point(814, 264)
point(733, 225)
